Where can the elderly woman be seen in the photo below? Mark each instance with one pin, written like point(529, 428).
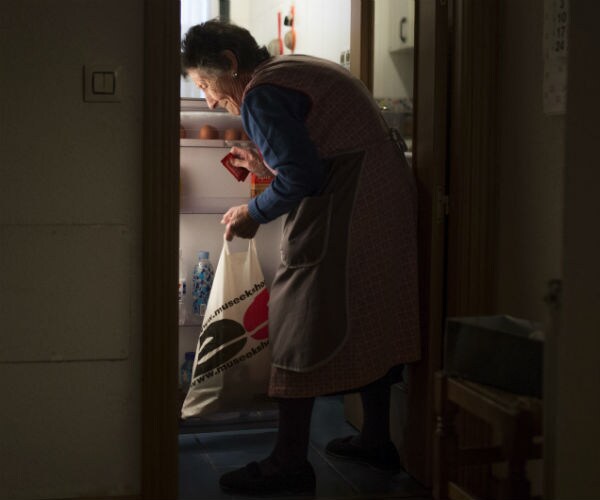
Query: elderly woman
point(343, 313)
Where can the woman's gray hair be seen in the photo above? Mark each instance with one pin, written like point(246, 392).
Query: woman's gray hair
point(203, 46)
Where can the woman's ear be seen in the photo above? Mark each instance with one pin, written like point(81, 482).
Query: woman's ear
point(233, 62)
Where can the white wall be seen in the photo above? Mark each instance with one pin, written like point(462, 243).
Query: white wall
point(575, 403)
point(548, 208)
point(322, 27)
point(70, 254)
point(393, 73)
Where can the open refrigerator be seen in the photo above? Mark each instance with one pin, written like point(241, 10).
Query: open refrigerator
point(207, 190)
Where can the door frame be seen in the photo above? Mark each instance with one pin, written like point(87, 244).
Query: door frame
point(362, 26)
point(430, 164)
point(159, 419)
point(160, 241)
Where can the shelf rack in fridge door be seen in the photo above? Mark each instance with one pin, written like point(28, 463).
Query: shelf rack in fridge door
point(207, 190)
point(207, 128)
point(206, 186)
point(211, 143)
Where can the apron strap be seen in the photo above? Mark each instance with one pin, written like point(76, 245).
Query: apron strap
point(398, 140)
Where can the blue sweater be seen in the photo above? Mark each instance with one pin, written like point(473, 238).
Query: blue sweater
point(274, 119)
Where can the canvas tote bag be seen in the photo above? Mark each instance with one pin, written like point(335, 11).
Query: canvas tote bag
point(232, 362)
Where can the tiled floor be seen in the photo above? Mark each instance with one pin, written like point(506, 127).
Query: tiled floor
point(203, 457)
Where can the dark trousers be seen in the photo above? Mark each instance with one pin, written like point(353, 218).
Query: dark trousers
point(291, 448)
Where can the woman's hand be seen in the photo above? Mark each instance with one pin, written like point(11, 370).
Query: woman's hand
point(239, 223)
point(251, 160)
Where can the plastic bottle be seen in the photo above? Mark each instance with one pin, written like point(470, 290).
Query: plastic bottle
point(182, 289)
point(185, 374)
point(202, 282)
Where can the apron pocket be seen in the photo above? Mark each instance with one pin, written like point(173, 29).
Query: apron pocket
point(306, 232)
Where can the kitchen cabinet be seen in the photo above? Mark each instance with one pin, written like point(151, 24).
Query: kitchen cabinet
point(401, 25)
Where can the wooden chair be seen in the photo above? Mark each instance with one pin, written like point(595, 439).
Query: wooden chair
point(516, 420)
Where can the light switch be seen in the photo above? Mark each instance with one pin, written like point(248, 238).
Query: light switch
point(101, 83)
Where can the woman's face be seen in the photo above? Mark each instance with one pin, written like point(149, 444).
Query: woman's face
point(221, 91)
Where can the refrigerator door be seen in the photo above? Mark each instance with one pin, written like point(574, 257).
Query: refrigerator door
point(207, 190)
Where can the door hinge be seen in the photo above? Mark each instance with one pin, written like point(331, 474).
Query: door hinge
point(441, 204)
point(553, 297)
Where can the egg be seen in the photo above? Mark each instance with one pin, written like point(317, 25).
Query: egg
point(208, 132)
point(244, 136)
point(232, 134)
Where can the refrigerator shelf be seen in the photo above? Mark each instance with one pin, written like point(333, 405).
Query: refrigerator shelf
point(206, 205)
point(191, 324)
point(233, 421)
point(212, 143)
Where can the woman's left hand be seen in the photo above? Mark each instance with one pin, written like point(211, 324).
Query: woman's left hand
point(251, 160)
point(239, 223)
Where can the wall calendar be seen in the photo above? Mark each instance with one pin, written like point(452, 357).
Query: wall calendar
point(556, 30)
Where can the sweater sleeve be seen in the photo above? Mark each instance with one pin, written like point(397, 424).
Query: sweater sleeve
point(274, 119)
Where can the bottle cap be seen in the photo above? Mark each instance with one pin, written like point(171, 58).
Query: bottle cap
point(203, 254)
point(189, 356)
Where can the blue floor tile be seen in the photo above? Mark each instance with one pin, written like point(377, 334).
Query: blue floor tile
point(366, 480)
point(236, 450)
point(198, 479)
point(330, 484)
point(205, 456)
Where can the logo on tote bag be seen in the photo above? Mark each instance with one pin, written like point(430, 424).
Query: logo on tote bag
point(225, 338)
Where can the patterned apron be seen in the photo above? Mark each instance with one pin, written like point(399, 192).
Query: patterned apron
point(344, 300)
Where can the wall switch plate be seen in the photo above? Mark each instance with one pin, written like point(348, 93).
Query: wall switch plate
point(102, 83)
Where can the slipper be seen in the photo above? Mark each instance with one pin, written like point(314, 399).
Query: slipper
point(385, 458)
point(250, 480)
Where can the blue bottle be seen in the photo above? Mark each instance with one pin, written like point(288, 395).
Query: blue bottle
point(182, 289)
point(201, 283)
point(185, 375)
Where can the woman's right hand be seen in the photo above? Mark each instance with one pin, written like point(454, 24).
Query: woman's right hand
point(251, 160)
point(239, 223)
